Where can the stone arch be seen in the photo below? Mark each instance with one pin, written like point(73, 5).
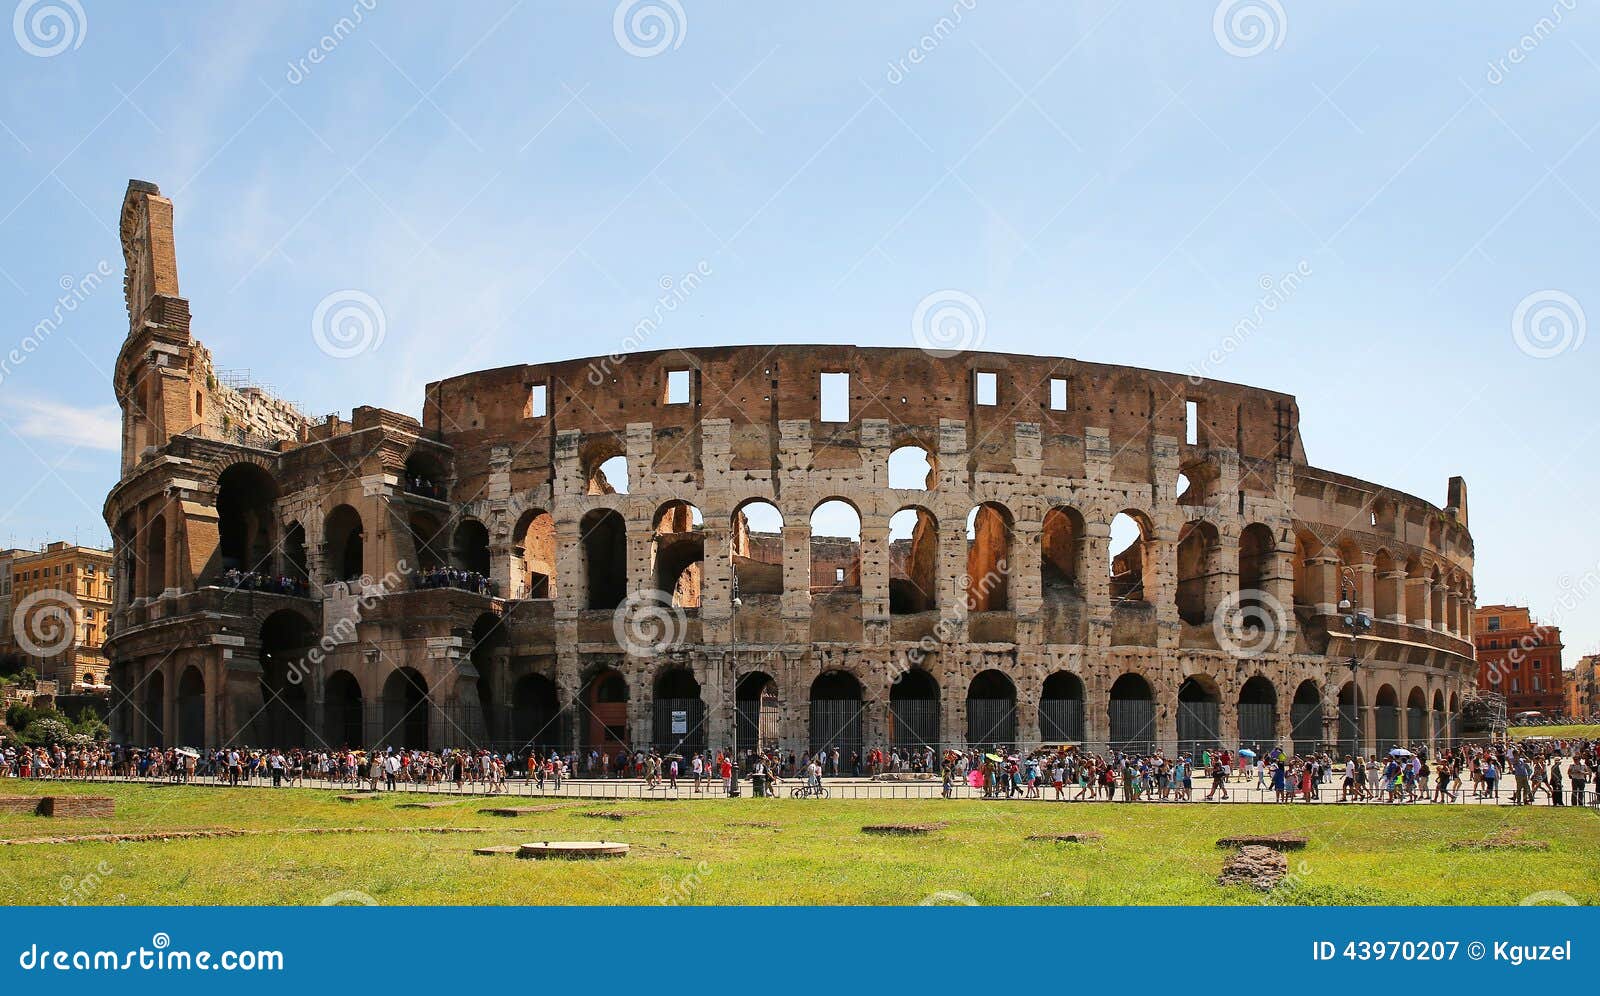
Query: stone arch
point(1258, 713)
point(835, 546)
point(344, 541)
point(425, 474)
point(344, 711)
point(1061, 708)
point(758, 710)
point(603, 536)
point(678, 552)
point(1200, 572)
point(407, 709)
point(192, 708)
point(287, 637)
point(535, 714)
point(1198, 481)
point(912, 467)
point(246, 524)
point(1199, 715)
point(1131, 710)
point(1351, 735)
point(534, 553)
point(1136, 562)
point(428, 544)
point(914, 711)
point(1417, 726)
point(155, 557)
point(992, 711)
point(469, 547)
point(1305, 718)
point(680, 713)
point(605, 695)
point(913, 561)
point(605, 464)
point(989, 535)
point(836, 710)
point(755, 545)
point(1387, 716)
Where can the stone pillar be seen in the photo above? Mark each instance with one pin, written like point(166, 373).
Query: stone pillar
point(1419, 601)
point(1023, 562)
point(1364, 595)
point(1393, 585)
point(1324, 574)
point(1162, 590)
point(1094, 579)
point(716, 573)
point(796, 568)
point(641, 554)
point(875, 579)
point(1222, 573)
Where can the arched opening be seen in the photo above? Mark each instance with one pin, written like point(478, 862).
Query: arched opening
point(343, 536)
point(913, 561)
point(192, 708)
point(1350, 727)
point(988, 558)
point(1455, 718)
point(1197, 482)
point(286, 639)
point(836, 714)
point(758, 711)
point(294, 555)
point(1387, 716)
point(835, 547)
point(914, 712)
point(245, 541)
point(344, 711)
point(1305, 718)
point(153, 714)
point(1061, 709)
point(608, 472)
point(406, 710)
point(1061, 551)
point(1441, 733)
point(756, 547)
point(1258, 714)
point(155, 557)
point(991, 712)
point(604, 538)
point(1132, 711)
point(1201, 581)
point(680, 714)
point(911, 468)
point(425, 475)
point(605, 699)
point(1385, 591)
point(1132, 557)
point(488, 659)
point(535, 549)
point(1436, 601)
point(1257, 569)
point(469, 548)
point(1199, 715)
point(427, 539)
point(1416, 718)
point(535, 714)
point(1305, 580)
point(679, 553)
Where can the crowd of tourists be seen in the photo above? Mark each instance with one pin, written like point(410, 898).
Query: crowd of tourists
point(282, 584)
point(1543, 771)
point(455, 577)
point(418, 485)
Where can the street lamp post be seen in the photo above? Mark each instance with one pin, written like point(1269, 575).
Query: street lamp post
point(1356, 625)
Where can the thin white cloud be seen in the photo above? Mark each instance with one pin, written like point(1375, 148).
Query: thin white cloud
point(98, 428)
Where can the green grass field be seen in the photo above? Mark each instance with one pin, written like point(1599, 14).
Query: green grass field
point(752, 851)
point(1591, 731)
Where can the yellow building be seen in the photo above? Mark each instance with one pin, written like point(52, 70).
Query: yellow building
point(59, 607)
point(1583, 695)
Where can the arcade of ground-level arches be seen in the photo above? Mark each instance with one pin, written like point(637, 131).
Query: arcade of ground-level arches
point(820, 595)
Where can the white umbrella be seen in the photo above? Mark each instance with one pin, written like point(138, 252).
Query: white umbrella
point(188, 752)
point(1399, 752)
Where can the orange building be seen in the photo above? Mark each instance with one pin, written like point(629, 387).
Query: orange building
point(1519, 658)
point(60, 606)
point(1583, 697)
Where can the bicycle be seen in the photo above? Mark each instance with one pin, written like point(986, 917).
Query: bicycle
point(808, 792)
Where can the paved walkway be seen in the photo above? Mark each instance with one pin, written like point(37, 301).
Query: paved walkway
point(1239, 790)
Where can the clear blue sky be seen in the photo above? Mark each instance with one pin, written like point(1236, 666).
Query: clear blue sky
point(1109, 181)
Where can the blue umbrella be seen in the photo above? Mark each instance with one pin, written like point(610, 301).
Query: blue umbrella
point(1246, 752)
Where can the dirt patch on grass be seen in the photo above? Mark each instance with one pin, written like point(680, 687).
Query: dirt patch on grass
point(523, 810)
point(903, 829)
point(1255, 865)
point(216, 832)
point(1276, 841)
point(1068, 838)
point(615, 815)
point(1509, 839)
point(756, 825)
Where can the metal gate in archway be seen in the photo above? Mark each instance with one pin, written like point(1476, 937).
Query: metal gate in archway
point(1199, 727)
point(1416, 725)
point(1061, 720)
point(679, 727)
point(1133, 725)
point(1258, 722)
point(991, 723)
point(836, 723)
point(914, 724)
point(1305, 720)
point(1388, 728)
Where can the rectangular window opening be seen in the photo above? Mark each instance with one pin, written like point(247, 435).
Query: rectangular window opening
point(536, 402)
point(1058, 394)
point(987, 388)
point(677, 387)
point(1192, 430)
point(835, 397)
point(838, 575)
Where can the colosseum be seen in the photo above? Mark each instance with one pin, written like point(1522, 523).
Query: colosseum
point(799, 546)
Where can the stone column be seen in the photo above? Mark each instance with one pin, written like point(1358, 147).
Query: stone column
point(1023, 563)
point(874, 573)
point(796, 568)
point(1393, 585)
point(1094, 579)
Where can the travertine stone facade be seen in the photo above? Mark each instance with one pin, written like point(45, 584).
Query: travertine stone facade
point(1221, 624)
